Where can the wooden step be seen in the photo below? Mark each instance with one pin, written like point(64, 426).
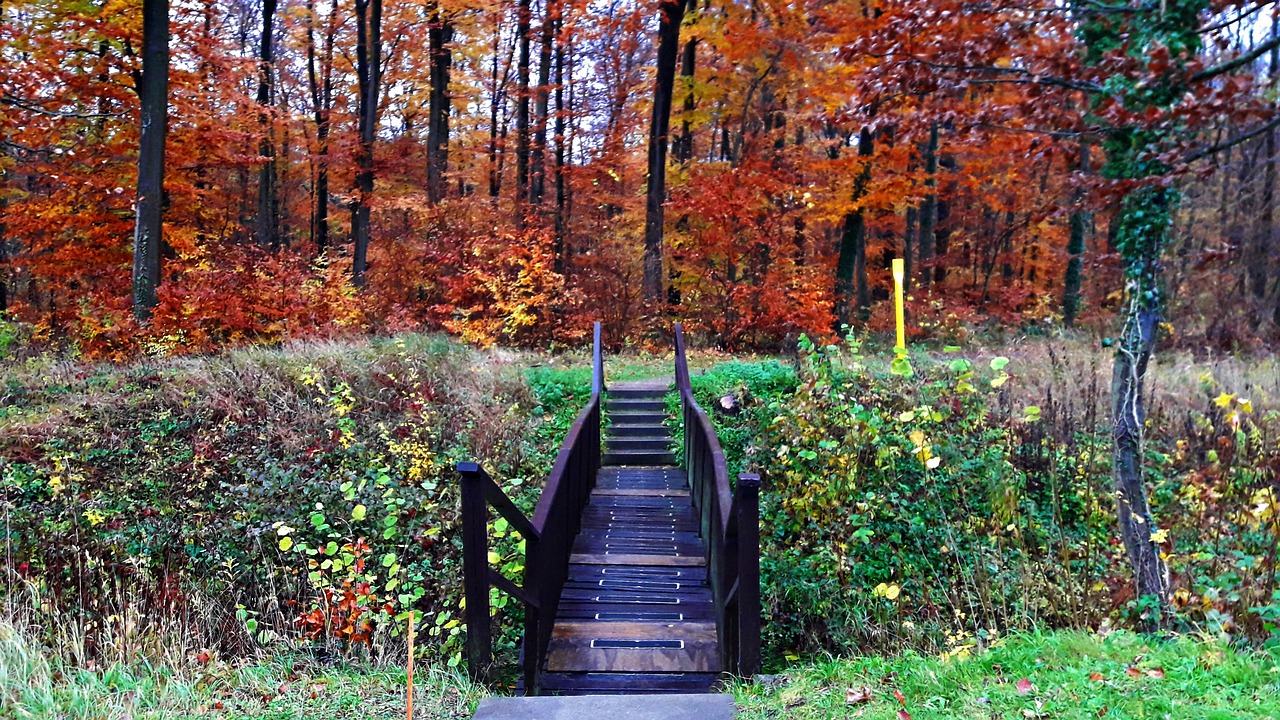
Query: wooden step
point(634, 405)
point(643, 430)
point(639, 458)
point(637, 418)
point(632, 683)
point(633, 647)
point(638, 443)
point(650, 391)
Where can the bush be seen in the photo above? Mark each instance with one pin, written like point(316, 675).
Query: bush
point(921, 507)
point(262, 495)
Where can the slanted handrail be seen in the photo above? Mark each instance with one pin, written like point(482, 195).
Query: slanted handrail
point(548, 537)
point(729, 522)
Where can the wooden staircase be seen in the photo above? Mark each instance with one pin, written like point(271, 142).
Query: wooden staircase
point(636, 614)
point(637, 433)
point(641, 575)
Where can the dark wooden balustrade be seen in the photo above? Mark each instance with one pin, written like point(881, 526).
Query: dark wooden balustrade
point(548, 537)
point(730, 526)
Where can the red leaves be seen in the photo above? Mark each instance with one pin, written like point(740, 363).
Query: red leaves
point(1024, 686)
point(903, 714)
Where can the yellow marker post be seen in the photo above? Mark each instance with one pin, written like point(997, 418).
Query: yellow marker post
point(409, 678)
point(898, 273)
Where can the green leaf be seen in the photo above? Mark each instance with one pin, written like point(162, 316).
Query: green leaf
point(901, 366)
point(998, 363)
point(317, 519)
point(359, 512)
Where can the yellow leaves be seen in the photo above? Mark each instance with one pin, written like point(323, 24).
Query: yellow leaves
point(907, 416)
point(1224, 400)
point(95, 517)
point(888, 591)
point(923, 451)
point(1160, 536)
point(359, 512)
point(1264, 505)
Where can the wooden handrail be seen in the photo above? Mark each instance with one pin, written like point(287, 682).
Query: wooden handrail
point(548, 537)
point(729, 522)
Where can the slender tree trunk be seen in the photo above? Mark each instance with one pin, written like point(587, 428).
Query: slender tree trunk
point(4, 260)
point(929, 208)
point(538, 163)
point(368, 69)
point(659, 130)
point(1144, 221)
point(909, 248)
point(268, 217)
point(498, 99)
point(851, 265)
point(153, 94)
point(562, 206)
point(1266, 238)
point(439, 36)
point(320, 81)
point(688, 61)
point(522, 109)
point(1078, 224)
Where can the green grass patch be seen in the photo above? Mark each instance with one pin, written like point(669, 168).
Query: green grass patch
point(1065, 675)
point(37, 686)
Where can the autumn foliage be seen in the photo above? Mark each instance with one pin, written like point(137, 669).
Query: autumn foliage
point(811, 143)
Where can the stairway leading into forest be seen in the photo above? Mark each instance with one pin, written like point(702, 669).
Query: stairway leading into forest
point(641, 575)
point(636, 613)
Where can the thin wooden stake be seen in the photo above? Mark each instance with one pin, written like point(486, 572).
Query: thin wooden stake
point(898, 272)
point(409, 694)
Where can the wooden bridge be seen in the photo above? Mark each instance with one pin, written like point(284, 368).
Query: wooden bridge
point(641, 574)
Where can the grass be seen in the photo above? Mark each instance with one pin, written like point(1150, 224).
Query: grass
point(1069, 675)
point(34, 686)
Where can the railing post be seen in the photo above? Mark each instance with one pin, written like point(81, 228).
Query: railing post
point(747, 502)
point(475, 571)
point(532, 616)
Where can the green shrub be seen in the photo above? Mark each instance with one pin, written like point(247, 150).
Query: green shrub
point(306, 492)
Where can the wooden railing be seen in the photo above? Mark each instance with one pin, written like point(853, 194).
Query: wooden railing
point(730, 525)
point(548, 537)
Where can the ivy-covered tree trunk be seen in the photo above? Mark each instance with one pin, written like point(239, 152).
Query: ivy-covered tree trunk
point(1144, 222)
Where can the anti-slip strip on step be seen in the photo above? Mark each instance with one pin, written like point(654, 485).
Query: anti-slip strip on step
point(637, 644)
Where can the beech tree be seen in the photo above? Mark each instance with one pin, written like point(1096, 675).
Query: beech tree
point(671, 16)
point(153, 95)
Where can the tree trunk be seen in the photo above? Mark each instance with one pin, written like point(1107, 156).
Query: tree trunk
point(929, 208)
point(368, 69)
point(439, 35)
point(562, 198)
point(684, 145)
point(659, 130)
point(1078, 224)
point(1144, 219)
point(153, 95)
point(320, 81)
point(909, 248)
point(538, 163)
point(497, 99)
point(268, 217)
point(522, 109)
point(851, 266)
